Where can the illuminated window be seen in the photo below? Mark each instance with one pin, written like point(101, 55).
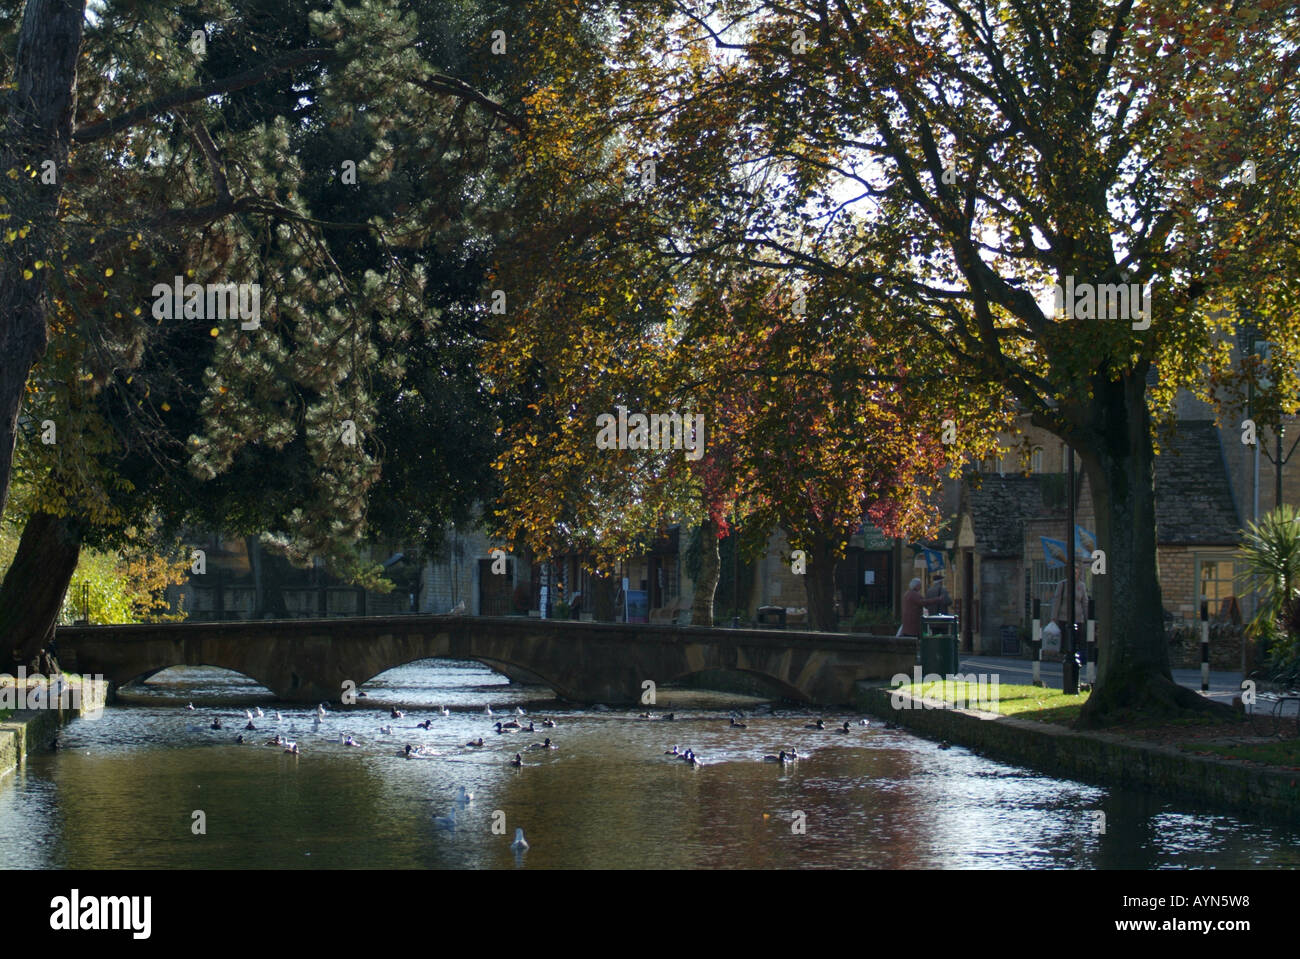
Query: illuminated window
point(1216, 576)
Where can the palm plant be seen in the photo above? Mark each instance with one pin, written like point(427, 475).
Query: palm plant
point(1270, 553)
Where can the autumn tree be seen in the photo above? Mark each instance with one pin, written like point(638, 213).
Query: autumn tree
point(956, 159)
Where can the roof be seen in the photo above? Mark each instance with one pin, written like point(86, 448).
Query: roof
point(999, 507)
point(1194, 503)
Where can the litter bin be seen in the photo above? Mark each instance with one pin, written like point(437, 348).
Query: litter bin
point(771, 617)
point(938, 645)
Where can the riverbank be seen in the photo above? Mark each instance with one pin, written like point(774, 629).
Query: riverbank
point(24, 731)
point(1103, 758)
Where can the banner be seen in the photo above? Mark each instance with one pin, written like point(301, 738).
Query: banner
point(1054, 552)
point(934, 559)
point(1085, 541)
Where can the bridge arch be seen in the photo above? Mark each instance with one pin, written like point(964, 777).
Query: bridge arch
point(775, 686)
point(142, 677)
point(515, 672)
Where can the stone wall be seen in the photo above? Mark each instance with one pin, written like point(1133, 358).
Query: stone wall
point(30, 730)
point(1185, 645)
point(1105, 758)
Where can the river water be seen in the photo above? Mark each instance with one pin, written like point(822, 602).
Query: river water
point(124, 790)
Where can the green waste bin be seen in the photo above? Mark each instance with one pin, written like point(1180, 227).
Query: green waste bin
point(938, 645)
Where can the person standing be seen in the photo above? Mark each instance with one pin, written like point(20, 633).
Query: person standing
point(938, 598)
point(913, 608)
point(1061, 605)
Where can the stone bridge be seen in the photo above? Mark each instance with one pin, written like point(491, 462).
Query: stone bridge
point(311, 660)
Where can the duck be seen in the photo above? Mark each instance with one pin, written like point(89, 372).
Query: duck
point(844, 728)
point(645, 716)
point(396, 714)
point(668, 718)
point(250, 726)
point(444, 711)
point(687, 754)
point(529, 728)
point(427, 724)
point(240, 739)
point(672, 752)
point(820, 724)
point(781, 758)
point(190, 707)
point(406, 752)
point(385, 730)
point(291, 748)
point(475, 743)
point(446, 822)
point(543, 745)
point(511, 724)
point(736, 725)
point(349, 741)
point(520, 844)
point(463, 797)
point(501, 729)
point(793, 755)
point(548, 723)
point(277, 741)
point(694, 762)
point(216, 724)
point(518, 761)
point(945, 745)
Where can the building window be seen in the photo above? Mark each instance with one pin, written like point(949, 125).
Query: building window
point(1216, 577)
point(1036, 460)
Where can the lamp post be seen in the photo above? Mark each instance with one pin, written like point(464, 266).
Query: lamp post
point(735, 574)
point(1069, 666)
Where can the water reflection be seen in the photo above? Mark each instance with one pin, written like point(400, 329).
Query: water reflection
point(123, 790)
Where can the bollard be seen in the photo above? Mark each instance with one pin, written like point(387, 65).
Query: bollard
point(1205, 645)
point(1036, 642)
point(1092, 642)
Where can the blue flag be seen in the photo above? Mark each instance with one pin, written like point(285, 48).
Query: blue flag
point(1085, 541)
point(1054, 552)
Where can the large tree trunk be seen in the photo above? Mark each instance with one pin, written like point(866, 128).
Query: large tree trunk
point(707, 583)
point(1133, 674)
point(37, 128)
point(819, 585)
point(33, 590)
point(600, 604)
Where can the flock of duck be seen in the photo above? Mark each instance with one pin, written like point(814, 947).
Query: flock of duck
point(509, 725)
point(783, 756)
